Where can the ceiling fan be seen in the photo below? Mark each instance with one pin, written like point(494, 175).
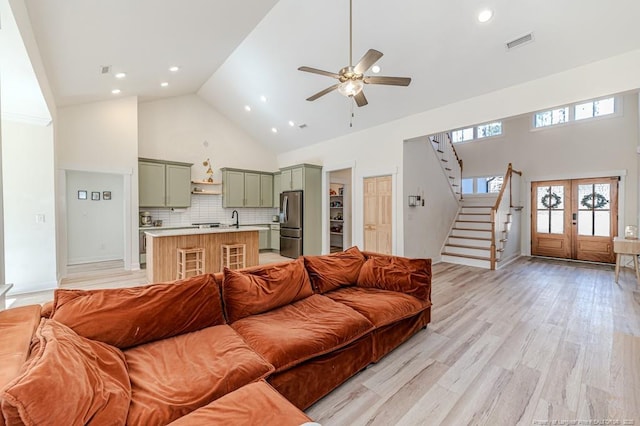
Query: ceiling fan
point(352, 78)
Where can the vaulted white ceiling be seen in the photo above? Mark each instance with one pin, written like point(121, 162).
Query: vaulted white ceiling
point(231, 53)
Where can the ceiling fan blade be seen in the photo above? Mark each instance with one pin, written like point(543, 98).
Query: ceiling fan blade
point(361, 100)
point(369, 58)
point(317, 71)
point(323, 92)
point(390, 81)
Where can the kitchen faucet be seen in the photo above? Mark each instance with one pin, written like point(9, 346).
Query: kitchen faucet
point(237, 216)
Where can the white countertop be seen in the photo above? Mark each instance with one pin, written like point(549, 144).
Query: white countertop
point(198, 231)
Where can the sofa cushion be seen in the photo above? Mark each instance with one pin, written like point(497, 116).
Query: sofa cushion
point(266, 408)
point(381, 307)
point(68, 380)
point(17, 326)
point(126, 317)
point(302, 330)
point(335, 270)
point(172, 377)
point(262, 288)
point(410, 276)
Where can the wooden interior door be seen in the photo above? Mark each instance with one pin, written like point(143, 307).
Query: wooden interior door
point(575, 219)
point(377, 213)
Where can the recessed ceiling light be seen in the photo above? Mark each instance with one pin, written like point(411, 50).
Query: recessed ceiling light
point(247, 108)
point(291, 123)
point(274, 130)
point(263, 98)
point(174, 68)
point(164, 84)
point(375, 69)
point(485, 15)
point(120, 75)
point(116, 91)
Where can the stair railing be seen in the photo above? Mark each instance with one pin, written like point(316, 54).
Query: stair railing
point(449, 160)
point(501, 210)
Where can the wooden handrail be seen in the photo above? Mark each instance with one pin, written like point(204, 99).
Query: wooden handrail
point(453, 148)
point(494, 210)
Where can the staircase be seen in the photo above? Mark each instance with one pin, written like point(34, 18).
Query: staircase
point(469, 242)
point(449, 160)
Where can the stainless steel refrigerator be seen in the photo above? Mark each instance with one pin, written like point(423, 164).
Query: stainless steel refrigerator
point(291, 224)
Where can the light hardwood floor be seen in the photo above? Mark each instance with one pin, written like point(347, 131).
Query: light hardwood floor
point(535, 342)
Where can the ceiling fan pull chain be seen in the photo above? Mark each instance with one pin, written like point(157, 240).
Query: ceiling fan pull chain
point(352, 113)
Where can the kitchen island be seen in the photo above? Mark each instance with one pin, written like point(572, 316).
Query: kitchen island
point(162, 246)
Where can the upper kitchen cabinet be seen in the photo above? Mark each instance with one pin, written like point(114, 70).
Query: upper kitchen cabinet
point(164, 183)
point(246, 188)
point(298, 177)
point(292, 179)
point(266, 190)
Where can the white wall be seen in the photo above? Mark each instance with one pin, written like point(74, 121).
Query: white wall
point(95, 229)
point(380, 147)
point(100, 137)
point(29, 191)
point(426, 227)
point(187, 129)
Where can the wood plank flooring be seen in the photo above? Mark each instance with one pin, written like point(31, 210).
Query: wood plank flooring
point(537, 342)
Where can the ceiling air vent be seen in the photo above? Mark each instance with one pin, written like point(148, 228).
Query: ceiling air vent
point(105, 69)
point(302, 126)
point(519, 41)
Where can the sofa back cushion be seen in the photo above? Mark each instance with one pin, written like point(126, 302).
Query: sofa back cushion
point(409, 276)
point(127, 317)
point(263, 288)
point(68, 380)
point(332, 271)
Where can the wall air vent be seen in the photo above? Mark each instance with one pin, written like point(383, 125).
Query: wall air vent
point(519, 41)
point(105, 69)
point(302, 126)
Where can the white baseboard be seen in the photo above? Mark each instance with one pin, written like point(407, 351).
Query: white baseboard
point(92, 259)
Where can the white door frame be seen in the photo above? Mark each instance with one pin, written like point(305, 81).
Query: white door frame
point(62, 237)
point(326, 172)
point(358, 213)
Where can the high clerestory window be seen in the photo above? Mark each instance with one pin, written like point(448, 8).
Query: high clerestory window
point(575, 112)
point(477, 132)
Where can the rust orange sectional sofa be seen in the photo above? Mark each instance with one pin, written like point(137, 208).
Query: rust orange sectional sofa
point(254, 346)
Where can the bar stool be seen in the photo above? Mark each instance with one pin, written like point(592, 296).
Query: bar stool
point(233, 256)
point(189, 260)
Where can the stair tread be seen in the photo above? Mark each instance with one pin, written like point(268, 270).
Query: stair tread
point(473, 221)
point(472, 229)
point(472, 238)
point(469, 247)
point(468, 256)
point(478, 214)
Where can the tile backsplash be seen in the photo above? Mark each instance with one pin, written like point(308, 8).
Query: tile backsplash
point(208, 208)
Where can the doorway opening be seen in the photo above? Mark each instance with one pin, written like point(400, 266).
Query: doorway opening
point(95, 221)
point(575, 219)
point(339, 206)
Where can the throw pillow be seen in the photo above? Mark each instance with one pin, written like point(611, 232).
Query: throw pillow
point(126, 317)
point(260, 289)
point(335, 270)
point(409, 276)
point(68, 380)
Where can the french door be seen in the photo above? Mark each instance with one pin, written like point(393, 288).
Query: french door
point(575, 219)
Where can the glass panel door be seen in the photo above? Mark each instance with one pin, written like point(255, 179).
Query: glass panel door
point(551, 219)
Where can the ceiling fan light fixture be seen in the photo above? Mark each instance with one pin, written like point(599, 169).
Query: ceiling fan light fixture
point(351, 88)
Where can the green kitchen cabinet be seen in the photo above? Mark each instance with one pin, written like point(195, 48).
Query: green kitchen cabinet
point(276, 190)
point(163, 183)
point(247, 188)
point(266, 190)
point(232, 188)
point(251, 189)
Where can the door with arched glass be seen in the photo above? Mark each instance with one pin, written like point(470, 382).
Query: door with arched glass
point(575, 219)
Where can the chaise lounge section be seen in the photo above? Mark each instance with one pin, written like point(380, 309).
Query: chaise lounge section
point(261, 343)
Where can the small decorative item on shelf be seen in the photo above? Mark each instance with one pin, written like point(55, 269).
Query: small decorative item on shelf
point(341, 190)
point(332, 192)
point(631, 232)
point(209, 171)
